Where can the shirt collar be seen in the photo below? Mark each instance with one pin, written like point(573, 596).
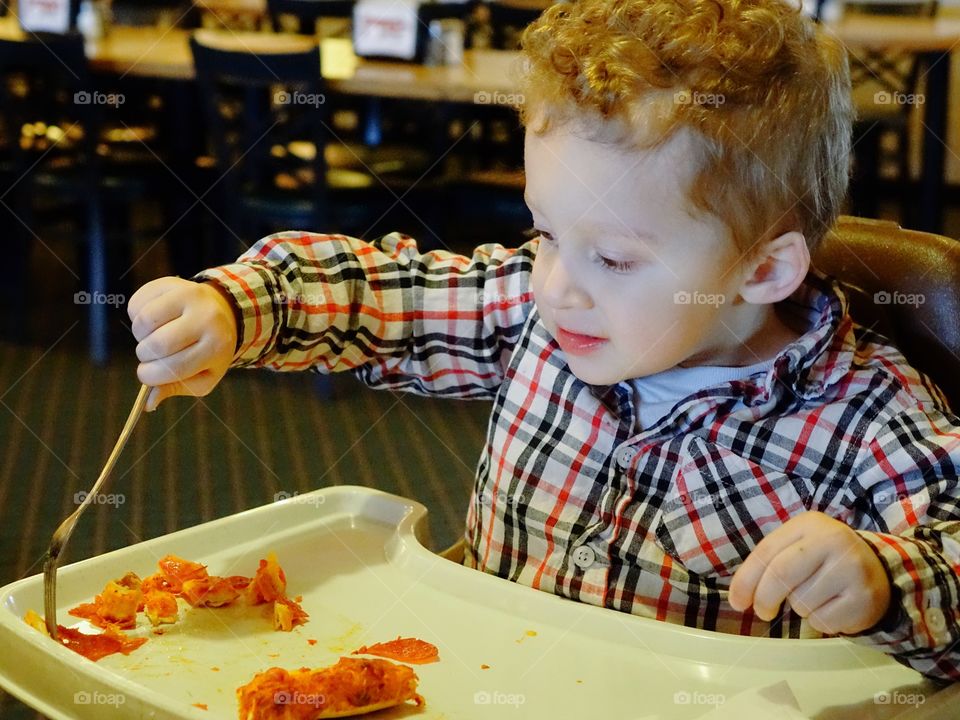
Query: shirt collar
point(820, 357)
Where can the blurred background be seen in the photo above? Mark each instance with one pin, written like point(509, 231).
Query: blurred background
point(143, 138)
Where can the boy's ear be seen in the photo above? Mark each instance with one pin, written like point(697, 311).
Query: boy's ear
point(777, 270)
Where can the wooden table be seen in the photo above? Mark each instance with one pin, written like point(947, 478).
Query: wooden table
point(914, 34)
point(486, 76)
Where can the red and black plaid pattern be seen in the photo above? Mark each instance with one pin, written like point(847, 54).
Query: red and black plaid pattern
point(570, 499)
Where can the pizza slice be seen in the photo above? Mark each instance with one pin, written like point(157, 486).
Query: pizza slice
point(354, 686)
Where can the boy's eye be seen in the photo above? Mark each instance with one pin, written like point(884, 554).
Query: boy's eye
point(616, 265)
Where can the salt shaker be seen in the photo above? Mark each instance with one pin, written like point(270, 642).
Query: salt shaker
point(434, 54)
point(453, 32)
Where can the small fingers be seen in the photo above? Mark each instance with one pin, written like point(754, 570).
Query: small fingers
point(816, 591)
point(789, 571)
point(174, 368)
point(149, 291)
point(166, 341)
point(154, 398)
point(155, 313)
point(748, 576)
point(197, 386)
point(835, 616)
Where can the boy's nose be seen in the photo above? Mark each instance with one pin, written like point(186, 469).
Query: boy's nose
point(561, 288)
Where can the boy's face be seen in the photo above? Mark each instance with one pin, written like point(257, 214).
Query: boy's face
point(629, 279)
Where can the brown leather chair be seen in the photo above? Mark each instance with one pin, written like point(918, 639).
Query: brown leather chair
point(906, 285)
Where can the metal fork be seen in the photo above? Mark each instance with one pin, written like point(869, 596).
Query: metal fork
point(62, 534)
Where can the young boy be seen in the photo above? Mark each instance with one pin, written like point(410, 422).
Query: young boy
point(686, 424)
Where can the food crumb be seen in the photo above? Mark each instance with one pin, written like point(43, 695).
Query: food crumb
point(202, 706)
point(528, 633)
point(273, 655)
point(215, 668)
point(484, 667)
point(312, 641)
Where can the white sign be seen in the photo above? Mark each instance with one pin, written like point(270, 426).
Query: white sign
point(385, 28)
point(45, 15)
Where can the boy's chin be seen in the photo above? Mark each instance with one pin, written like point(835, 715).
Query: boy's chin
point(594, 375)
point(592, 372)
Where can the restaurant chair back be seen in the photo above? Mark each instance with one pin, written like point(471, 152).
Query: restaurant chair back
point(507, 22)
point(266, 113)
point(906, 285)
point(48, 79)
point(50, 119)
point(306, 13)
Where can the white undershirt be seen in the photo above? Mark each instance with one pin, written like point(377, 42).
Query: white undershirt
point(655, 395)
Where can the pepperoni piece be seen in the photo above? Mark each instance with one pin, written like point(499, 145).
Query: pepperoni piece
point(94, 647)
point(175, 570)
point(408, 650)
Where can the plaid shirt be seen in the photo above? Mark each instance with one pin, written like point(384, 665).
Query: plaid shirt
point(571, 499)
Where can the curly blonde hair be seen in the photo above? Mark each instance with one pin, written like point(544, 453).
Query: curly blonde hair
point(766, 96)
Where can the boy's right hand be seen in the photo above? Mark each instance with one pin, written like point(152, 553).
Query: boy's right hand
point(187, 335)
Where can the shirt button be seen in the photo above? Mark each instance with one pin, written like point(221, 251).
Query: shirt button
point(936, 623)
point(584, 557)
point(626, 456)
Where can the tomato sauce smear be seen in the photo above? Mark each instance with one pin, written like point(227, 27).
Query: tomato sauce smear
point(95, 647)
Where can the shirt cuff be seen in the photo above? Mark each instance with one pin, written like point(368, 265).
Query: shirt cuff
point(922, 585)
point(252, 289)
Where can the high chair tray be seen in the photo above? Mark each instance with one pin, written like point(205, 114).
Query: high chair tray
point(505, 650)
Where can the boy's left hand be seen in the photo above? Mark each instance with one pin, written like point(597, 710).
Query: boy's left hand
point(824, 569)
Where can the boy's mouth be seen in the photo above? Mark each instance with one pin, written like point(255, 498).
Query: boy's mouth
point(576, 344)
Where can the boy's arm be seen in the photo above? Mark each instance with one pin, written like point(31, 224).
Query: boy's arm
point(432, 323)
point(910, 472)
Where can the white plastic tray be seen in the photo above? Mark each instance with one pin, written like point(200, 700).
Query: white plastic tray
point(353, 554)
